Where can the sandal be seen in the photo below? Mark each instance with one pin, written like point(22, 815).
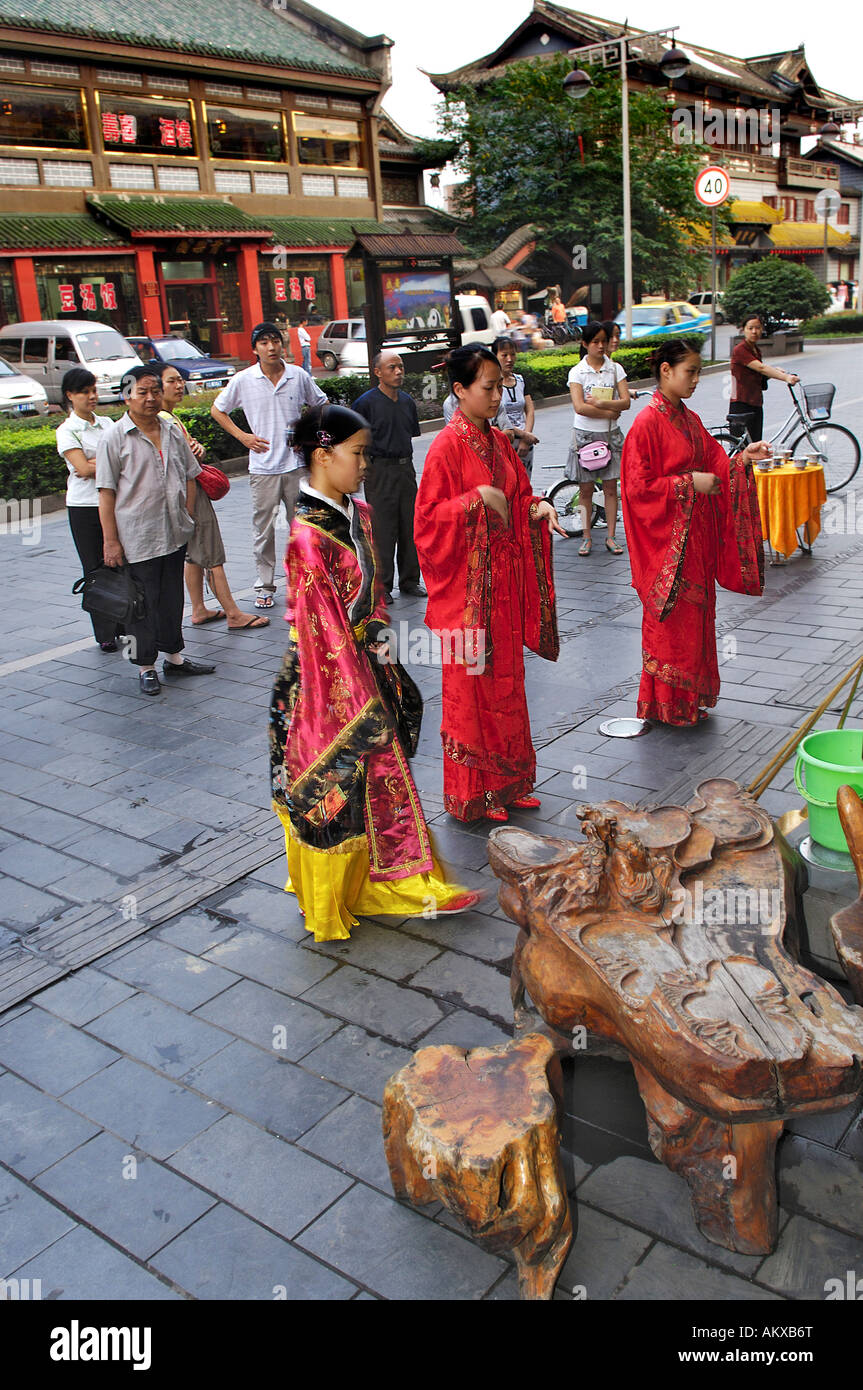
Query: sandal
point(586, 546)
point(252, 622)
point(614, 547)
point(210, 618)
point(264, 601)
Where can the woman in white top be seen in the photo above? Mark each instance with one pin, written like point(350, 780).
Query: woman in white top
point(599, 395)
point(516, 403)
point(77, 440)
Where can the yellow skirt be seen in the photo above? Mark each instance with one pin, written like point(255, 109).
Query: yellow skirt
point(331, 885)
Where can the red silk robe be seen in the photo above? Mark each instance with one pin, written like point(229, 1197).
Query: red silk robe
point(683, 543)
point(491, 593)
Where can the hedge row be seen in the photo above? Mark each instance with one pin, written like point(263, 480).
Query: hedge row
point(849, 321)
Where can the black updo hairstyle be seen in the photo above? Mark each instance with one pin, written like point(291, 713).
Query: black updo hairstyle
point(752, 314)
point(464, 362)
point(672, 351)
point(588, 333)
point(76, 379)
point(324, 426)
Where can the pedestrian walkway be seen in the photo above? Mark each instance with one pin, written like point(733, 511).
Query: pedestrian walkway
point(190, 1087)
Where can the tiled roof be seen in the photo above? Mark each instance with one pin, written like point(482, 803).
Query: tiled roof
point(157, 215)
point(511, 245)
point(312, 231)
point(745, 211)
point(63, 231)
point(805, 236)
point(411, 243)
point(240, 29)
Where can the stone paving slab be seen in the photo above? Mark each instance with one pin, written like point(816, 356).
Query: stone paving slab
point(245, 1061)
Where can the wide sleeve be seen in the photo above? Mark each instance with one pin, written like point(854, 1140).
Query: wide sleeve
point(539, 605)
point(657, 512)
point(452, 535)
point(740, 564)
point(339, 716)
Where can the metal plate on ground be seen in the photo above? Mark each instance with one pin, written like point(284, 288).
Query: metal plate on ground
point(825, 858)
point(625, 727)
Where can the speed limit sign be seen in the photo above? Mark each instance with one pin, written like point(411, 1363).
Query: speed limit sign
point(712, 186)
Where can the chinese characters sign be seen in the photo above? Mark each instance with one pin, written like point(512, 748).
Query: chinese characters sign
point(283, 286)
point(120, 128)
point(148, 127)
point(107, 294)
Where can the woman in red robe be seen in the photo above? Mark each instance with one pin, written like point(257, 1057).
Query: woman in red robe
point(484, 543)
point(692, 522)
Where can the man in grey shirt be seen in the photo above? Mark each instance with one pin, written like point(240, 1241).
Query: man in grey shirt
point(145, 473)
point(271, 394)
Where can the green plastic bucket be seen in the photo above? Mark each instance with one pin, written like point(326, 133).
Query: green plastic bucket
point(831, 759)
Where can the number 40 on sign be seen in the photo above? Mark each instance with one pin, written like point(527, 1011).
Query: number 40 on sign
point(712, 186)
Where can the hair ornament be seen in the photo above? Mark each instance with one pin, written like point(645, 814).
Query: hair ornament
point(325, 439)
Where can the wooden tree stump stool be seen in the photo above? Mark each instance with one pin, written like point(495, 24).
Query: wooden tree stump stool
point(478, 1131)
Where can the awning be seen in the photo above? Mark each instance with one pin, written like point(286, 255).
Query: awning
point(150, 217)
point(69, 231)
point(743, 211)
point(495, 277)
point(806, 236)
point(411, 244)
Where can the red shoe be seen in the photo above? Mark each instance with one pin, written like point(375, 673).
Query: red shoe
point(498, 813)
point(526, 803)
point(461, 904)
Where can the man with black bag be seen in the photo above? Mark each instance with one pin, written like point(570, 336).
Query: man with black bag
point(145, 474)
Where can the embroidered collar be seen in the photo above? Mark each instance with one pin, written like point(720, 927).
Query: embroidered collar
point(482, 442)
point(346, 512)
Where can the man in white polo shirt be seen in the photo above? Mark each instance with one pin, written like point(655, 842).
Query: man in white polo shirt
point(271, 395)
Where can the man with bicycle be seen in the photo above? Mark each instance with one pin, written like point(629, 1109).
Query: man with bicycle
point(749, 374)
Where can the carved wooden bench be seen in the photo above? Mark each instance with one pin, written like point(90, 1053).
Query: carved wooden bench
point(663, 932)
point(478, 1131)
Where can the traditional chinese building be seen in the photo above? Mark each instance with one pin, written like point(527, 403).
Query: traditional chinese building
point(172, 169)
point(753, 114)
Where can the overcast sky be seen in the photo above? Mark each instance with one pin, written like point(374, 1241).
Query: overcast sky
point(446, 34)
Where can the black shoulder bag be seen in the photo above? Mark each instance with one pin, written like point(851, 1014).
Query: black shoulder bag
point(112, 593)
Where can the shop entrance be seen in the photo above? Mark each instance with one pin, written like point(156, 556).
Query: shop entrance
point(191, 303)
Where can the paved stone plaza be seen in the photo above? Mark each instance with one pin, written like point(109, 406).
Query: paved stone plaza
point(190, 1087)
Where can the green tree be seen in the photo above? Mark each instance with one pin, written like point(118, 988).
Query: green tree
point(532, 154)
point(775, 288)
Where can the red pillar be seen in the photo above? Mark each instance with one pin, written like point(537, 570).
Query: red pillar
point(148, 291)
point(24, 280)
point(250, 287)
point(339, 286)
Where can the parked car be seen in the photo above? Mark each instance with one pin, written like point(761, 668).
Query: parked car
point(663, 318)
point(19, 394)
point(46, 350)
point(200, 372)
point(342, 342)
point(703, 300)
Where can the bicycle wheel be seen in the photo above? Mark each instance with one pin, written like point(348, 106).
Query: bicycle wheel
point(839, 450)
point(564, 497)
point(728, 442)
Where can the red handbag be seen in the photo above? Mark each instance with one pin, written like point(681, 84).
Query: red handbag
point(214, 482)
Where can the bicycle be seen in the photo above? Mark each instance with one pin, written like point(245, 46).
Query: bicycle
point(565, 497)
point(837, 449)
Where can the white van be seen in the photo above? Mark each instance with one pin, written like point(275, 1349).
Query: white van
point(48, 349)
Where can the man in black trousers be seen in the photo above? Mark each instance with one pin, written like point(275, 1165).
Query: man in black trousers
point(145, 473)
point(391, 484)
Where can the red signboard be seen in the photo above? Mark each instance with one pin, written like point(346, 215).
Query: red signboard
point(280, 289)
point(309, 287)
point(67, 299)
point(88, 298)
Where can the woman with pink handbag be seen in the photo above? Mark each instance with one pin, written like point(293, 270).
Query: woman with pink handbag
point(599, 395)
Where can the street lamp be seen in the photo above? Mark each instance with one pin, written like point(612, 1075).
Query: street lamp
point(673, 63)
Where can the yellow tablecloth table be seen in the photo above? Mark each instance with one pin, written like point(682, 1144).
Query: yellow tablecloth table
point(790, 498)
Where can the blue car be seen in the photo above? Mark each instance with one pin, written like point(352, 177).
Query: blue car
point(663, 318)
point(201, 373)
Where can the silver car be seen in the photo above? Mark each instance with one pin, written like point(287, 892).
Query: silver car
point(19, 394)
point(342, 343)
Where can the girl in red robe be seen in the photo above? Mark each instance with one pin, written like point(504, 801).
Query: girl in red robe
point(343, 718)
point(484, 543)
point(692, 522)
